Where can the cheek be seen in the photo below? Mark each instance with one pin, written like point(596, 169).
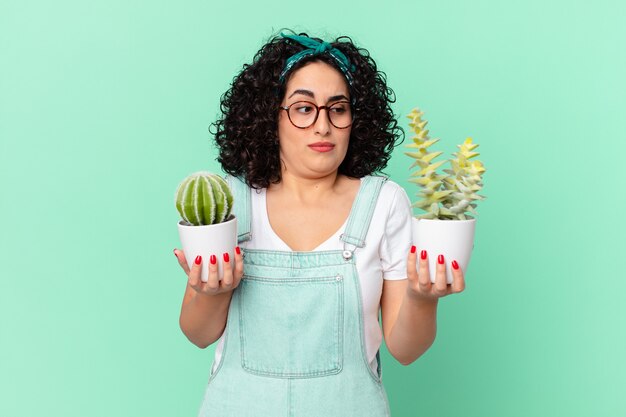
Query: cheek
point(284, 126)
point(346, 137)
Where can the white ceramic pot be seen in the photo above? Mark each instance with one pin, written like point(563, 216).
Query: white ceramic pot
point(454, 239)
point(207, 240)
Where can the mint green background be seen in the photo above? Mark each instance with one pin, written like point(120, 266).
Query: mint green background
point(104, 108)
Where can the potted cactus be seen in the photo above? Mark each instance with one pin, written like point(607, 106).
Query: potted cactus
point(446, 227)
point(205, 202)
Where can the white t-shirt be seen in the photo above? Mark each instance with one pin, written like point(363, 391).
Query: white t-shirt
point(383, 257)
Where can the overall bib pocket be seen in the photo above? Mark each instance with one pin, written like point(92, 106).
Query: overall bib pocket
point(291, 327)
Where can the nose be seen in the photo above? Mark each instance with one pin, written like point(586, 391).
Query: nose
point(322, 124)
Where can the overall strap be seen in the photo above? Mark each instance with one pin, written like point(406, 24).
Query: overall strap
point(362, 212)
point(241, 207)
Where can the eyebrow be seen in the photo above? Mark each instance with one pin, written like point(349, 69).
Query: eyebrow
point(310, 94)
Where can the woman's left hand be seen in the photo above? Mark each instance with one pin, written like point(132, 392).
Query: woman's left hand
point(419, 277)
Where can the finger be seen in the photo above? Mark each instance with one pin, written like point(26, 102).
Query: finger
point(411, 265)
point(182, 261)
point(458, 279)
point(238, 273)
point(424, 274)
point(212, 284)
point(227, 278)
point(441, 286)
point(194, 274)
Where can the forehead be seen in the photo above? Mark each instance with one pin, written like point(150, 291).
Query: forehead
point(318, 77)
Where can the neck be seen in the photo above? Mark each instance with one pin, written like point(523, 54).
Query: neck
point(304, 188)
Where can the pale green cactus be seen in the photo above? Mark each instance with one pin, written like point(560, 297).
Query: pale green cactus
point(444, 197)
point(465, 181)
point(204, 198)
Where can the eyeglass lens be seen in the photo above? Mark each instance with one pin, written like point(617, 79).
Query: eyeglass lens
point(303, 114)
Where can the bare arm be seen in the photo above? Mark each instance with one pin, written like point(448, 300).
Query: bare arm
point(409, 308)
point(409, 325)
point(205, 305)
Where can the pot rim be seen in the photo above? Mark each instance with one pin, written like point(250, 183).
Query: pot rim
point(183, 223)
point(446, 221)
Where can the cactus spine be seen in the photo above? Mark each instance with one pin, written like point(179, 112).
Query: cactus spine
point(444, 197)
point(204, 198)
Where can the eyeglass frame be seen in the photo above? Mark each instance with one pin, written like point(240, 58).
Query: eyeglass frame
point(317, 114)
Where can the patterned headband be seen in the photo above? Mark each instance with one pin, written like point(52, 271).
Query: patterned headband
point(316, 48)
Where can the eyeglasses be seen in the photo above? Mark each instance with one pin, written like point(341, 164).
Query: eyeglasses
point(303, 114)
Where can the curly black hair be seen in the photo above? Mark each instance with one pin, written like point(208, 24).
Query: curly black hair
point(245, 134)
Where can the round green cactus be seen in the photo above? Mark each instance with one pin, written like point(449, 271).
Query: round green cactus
point(204, 198)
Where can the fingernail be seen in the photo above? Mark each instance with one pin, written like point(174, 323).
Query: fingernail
point(238, 250)
point(440, 259)
point(175, 253)
point(455, 265)
point(213, 260)
point(423, 254)
point(226, 258)
point(412, 249)
point(198, 260)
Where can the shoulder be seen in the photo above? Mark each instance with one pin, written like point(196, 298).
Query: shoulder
point(392, 185)
point(393, 196)
point(393, 209)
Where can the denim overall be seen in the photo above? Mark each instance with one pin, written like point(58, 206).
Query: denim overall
point(294, 343)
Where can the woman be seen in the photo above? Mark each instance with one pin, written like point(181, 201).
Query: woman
point(326, 244)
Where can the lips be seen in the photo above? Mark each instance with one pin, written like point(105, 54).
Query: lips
point(322, 146)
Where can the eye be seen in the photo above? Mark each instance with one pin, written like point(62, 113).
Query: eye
point(304, 108)
point(340, 108)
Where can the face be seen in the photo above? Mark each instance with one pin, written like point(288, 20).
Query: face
point(318, 150)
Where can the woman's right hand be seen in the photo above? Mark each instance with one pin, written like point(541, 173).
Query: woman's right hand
point(213, 286)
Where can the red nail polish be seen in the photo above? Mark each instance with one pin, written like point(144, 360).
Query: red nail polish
point(213, 260)
point(198, 260)
point(226, 258)
point(238, 250)
point(412, 249)
point(440, 259)
point(423, 254)
point(455, 265)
